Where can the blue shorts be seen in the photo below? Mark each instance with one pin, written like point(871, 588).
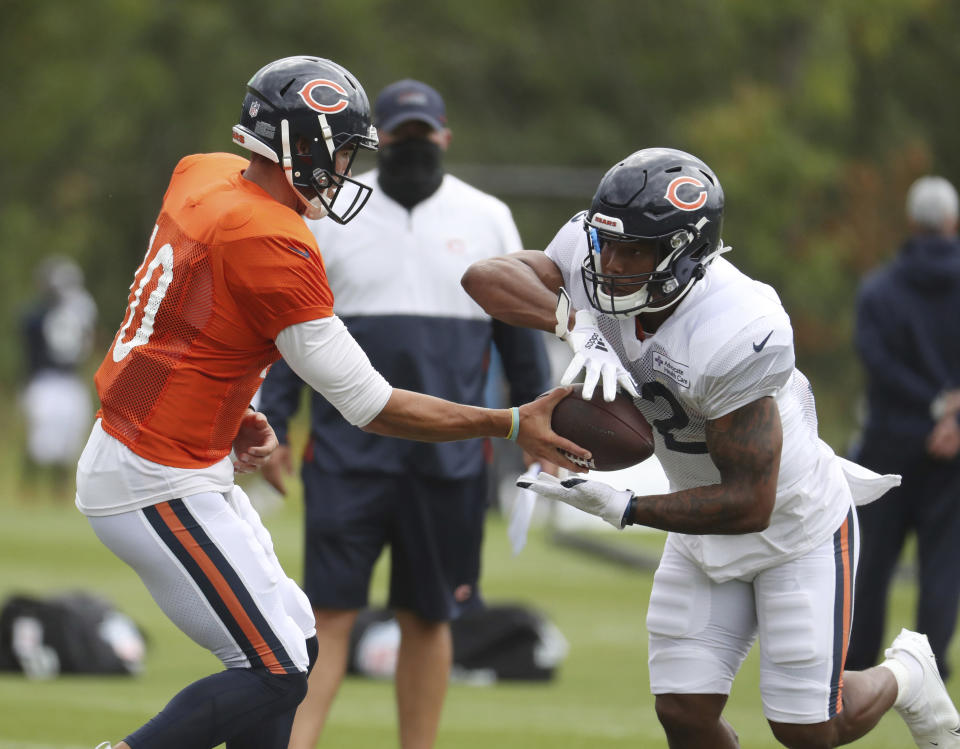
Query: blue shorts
point(434, 528)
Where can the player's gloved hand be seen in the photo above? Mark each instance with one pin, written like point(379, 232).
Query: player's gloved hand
point(595, 497)
point(592, 352)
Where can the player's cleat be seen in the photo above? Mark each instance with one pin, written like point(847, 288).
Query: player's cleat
point(930, 715)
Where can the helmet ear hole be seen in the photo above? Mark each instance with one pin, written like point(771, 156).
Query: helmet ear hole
point(303, 146)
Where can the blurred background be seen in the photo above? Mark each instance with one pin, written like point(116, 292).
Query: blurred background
point(815, 114)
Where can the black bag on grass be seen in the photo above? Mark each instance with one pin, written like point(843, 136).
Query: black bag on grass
point(493, 643)
point(71, 633)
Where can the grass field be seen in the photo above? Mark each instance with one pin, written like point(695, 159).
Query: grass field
point(600, 697)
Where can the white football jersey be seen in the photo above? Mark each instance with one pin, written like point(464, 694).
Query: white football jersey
point(727, 343)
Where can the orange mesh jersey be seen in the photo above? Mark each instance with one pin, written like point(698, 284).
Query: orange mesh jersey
point(227, 268)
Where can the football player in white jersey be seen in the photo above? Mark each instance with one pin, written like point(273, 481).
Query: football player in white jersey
point(763, 532)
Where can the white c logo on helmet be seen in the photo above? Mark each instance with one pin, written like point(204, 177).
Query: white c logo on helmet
point(306, 93)
point(686, 205)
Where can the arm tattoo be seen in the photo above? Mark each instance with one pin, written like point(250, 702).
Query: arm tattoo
point(745, 447)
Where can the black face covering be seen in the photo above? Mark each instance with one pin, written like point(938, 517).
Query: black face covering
point(410, 171)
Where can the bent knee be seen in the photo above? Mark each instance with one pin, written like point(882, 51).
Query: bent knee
point(297, 689)
point(670, 710)
point(289, 689)
point(681, 714)
point(809, 736)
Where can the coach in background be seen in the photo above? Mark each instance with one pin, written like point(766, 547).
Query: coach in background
point(396, 273)
point(906, 335)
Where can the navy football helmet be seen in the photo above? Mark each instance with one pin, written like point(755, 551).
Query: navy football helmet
point(299, 112)
point(660, 195)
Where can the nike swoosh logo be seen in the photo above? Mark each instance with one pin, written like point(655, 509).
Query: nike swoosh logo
point(758, 347)
point(300, 252)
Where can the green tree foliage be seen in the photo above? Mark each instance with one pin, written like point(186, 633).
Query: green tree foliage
point(816, 114)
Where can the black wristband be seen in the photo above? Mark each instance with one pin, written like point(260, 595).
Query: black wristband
point(627, 518)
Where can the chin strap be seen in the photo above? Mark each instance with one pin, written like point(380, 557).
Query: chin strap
point(327, 133)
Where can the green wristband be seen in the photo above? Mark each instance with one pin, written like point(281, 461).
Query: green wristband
point(514, 424)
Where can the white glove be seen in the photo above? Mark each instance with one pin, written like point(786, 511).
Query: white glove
point(591, 351)
point(593, 497)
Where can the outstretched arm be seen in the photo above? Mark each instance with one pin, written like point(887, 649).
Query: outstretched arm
point(325, 355)
point(422, 417)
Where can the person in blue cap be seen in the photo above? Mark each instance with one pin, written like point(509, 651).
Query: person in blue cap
point(396, 271)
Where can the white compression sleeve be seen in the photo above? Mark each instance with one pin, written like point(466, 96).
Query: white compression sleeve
point(325, 356)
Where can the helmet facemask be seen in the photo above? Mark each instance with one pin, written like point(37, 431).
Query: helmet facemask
point(682, 256)
point(310, 166)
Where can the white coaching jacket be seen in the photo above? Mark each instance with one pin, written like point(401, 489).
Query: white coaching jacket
point(395, 275)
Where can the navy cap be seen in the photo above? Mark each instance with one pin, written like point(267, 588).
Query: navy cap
point(409, 100)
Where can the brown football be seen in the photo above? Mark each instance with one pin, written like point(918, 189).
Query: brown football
point(615, 433)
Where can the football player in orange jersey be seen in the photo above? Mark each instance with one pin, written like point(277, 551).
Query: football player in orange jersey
point(232, 280)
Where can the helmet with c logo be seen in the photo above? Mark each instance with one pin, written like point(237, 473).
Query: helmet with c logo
point(299, 112)
point(660, 195)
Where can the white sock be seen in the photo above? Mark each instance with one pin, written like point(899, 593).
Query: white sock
point(909, 675)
